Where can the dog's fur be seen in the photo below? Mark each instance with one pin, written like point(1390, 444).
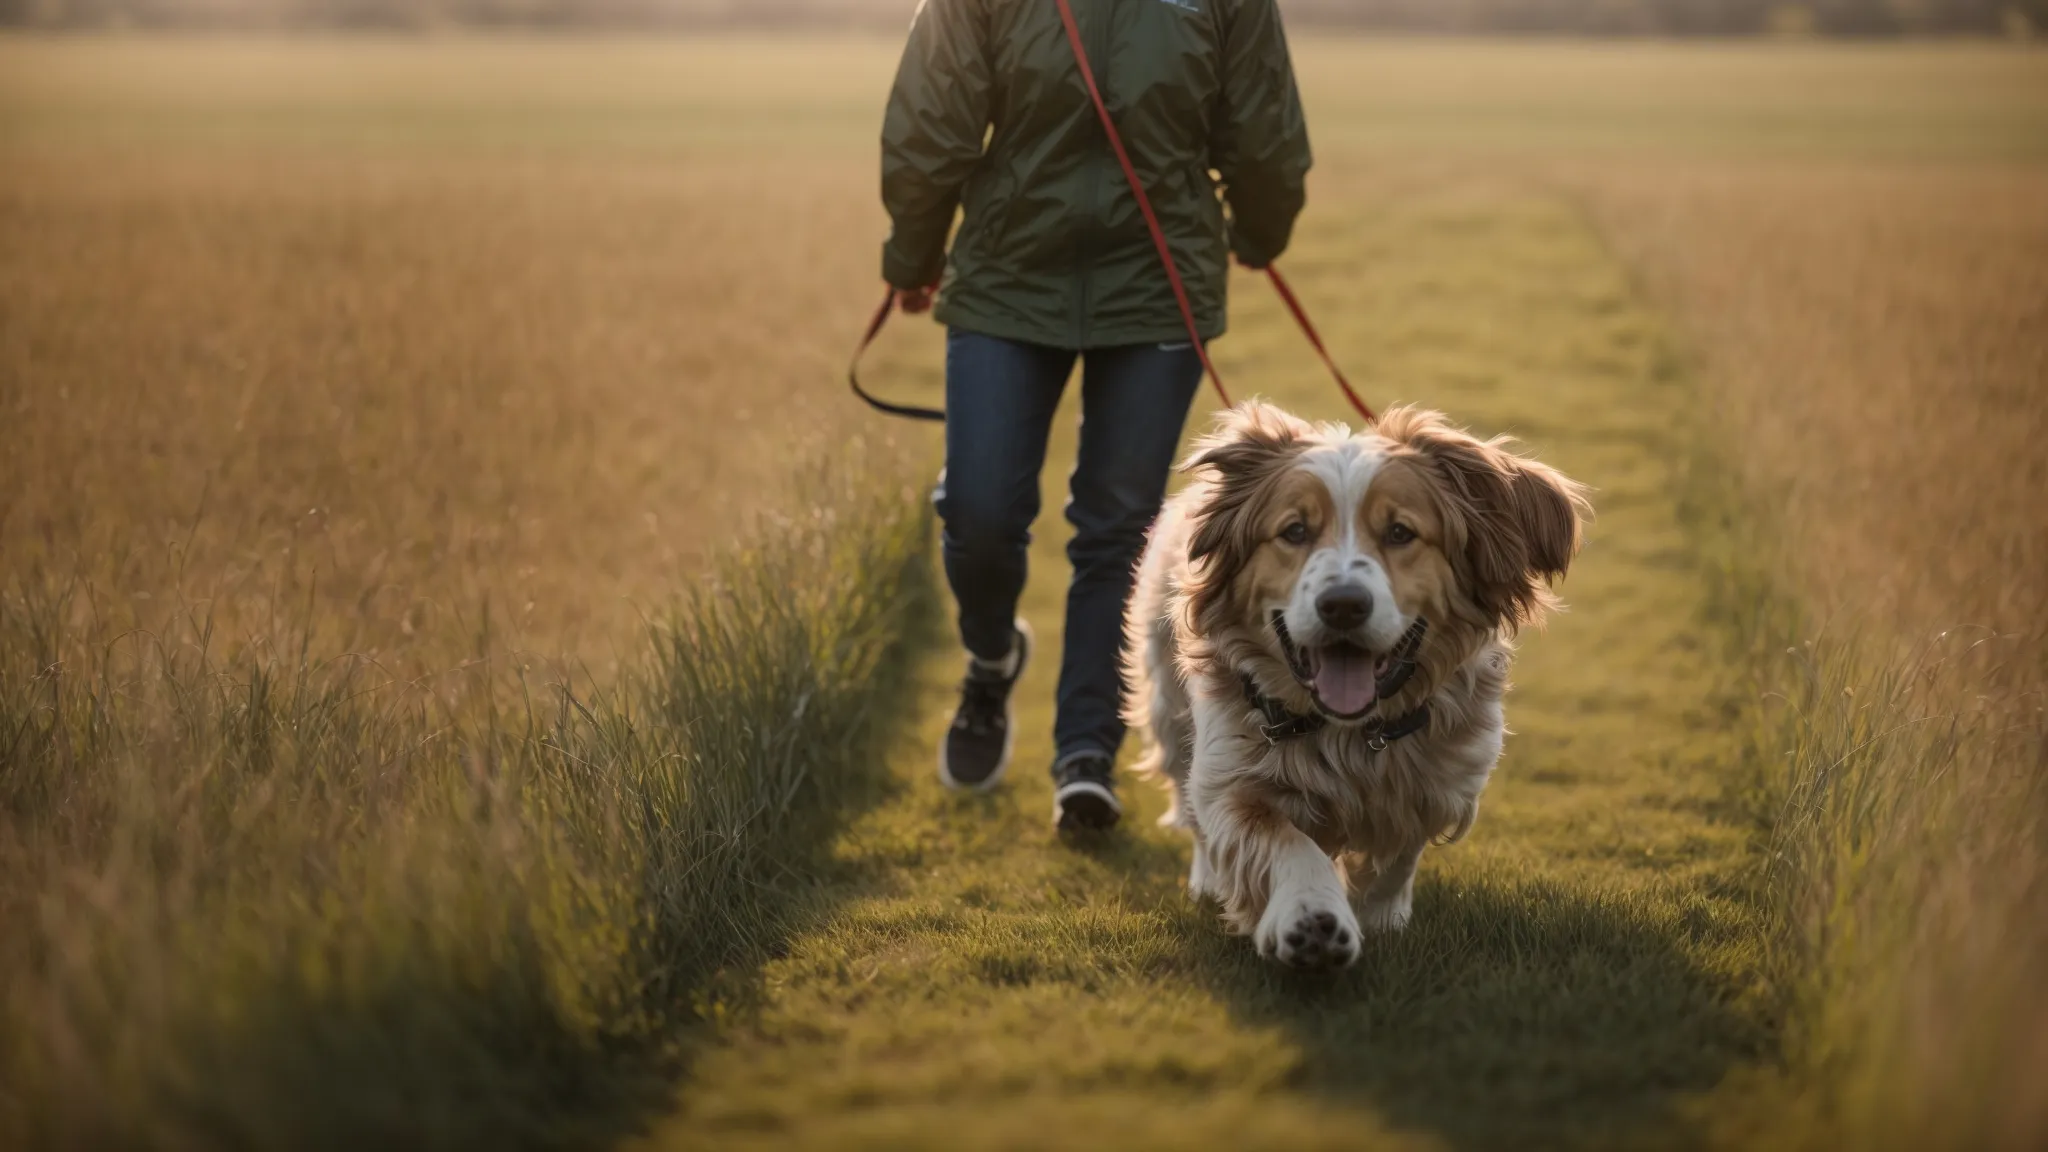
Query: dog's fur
point(1281, 830)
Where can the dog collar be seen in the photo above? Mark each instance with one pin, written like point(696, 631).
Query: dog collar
point(1282, 724)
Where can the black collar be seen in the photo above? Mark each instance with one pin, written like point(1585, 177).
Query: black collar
point(1282, 724)
point(1379, 732)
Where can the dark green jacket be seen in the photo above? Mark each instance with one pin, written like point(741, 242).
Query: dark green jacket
point(990, 115)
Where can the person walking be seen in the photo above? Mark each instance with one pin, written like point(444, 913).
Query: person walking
point(990, 117)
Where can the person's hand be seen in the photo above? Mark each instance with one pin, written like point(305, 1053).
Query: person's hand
point(1249, 266)
point(915, 301)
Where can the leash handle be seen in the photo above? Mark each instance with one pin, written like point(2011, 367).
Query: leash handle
point(907, 411)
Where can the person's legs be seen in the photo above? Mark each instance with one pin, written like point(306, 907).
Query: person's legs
point(1134, 403)
point(1000, 400)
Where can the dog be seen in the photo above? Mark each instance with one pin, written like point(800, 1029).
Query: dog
point(1318, 646)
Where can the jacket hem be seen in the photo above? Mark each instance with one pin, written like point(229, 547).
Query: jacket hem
point(1010, 328)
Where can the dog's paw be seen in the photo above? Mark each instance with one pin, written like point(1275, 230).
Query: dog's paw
point(1309, 934)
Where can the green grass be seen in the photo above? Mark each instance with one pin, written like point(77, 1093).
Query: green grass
point(280, 900)
point(1583, 966)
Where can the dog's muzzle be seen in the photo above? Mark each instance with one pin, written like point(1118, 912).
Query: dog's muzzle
point(1391, 672)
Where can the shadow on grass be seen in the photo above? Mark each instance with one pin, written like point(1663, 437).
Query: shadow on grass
point(1512, 1013)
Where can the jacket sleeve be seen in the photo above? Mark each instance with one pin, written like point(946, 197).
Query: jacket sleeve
point(1260, 143)
point(932, 136)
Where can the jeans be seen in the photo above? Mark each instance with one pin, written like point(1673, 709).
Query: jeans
point(1000, 399)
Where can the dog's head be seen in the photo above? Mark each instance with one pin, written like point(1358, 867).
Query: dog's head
point(1317, 551)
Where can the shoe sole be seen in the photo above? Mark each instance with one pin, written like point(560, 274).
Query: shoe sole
point(1085, 806)
point(1009, 730)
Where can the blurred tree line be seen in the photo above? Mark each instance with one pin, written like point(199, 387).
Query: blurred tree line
point(1588, 17)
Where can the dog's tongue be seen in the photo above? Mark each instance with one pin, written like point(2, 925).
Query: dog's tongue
point(1344, 679)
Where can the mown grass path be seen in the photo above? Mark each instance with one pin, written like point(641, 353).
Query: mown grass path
point(1579, 970)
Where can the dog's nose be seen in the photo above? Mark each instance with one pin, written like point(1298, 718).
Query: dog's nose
point(1344, 607)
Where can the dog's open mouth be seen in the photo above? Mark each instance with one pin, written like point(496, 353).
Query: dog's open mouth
point(1347, 680)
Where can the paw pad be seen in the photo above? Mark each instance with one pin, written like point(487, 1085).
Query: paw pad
point(1318, 941)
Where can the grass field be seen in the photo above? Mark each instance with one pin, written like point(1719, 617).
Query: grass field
point(471, 359)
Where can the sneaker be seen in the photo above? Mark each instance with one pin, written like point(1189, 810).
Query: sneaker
point(976, 749)
point(1084, 794)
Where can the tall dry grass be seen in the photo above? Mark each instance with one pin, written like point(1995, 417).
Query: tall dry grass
point(284, 898)
point(1875, 342)
point(401, 392)
point(405, 328)
point(400, 723)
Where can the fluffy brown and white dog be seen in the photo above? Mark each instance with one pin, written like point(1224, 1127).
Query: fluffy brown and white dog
point(1318, 647)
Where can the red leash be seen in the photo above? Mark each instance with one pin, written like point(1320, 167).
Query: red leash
point(1180, 291)
point(1315, 338)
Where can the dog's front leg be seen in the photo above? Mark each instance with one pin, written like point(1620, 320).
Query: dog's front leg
point(1274, 879)
point(1308, 923)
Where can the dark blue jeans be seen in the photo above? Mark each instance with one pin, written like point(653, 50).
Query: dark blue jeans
point(1000, 399)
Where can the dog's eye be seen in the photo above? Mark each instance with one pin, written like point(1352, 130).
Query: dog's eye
point(1295, 533)
point(1399, 534)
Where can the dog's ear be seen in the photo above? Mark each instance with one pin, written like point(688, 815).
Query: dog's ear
point(1251, 445)
point(1552, 510)
point(1512, 525)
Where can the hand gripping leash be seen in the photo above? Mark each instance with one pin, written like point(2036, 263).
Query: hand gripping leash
point(1180, 292)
